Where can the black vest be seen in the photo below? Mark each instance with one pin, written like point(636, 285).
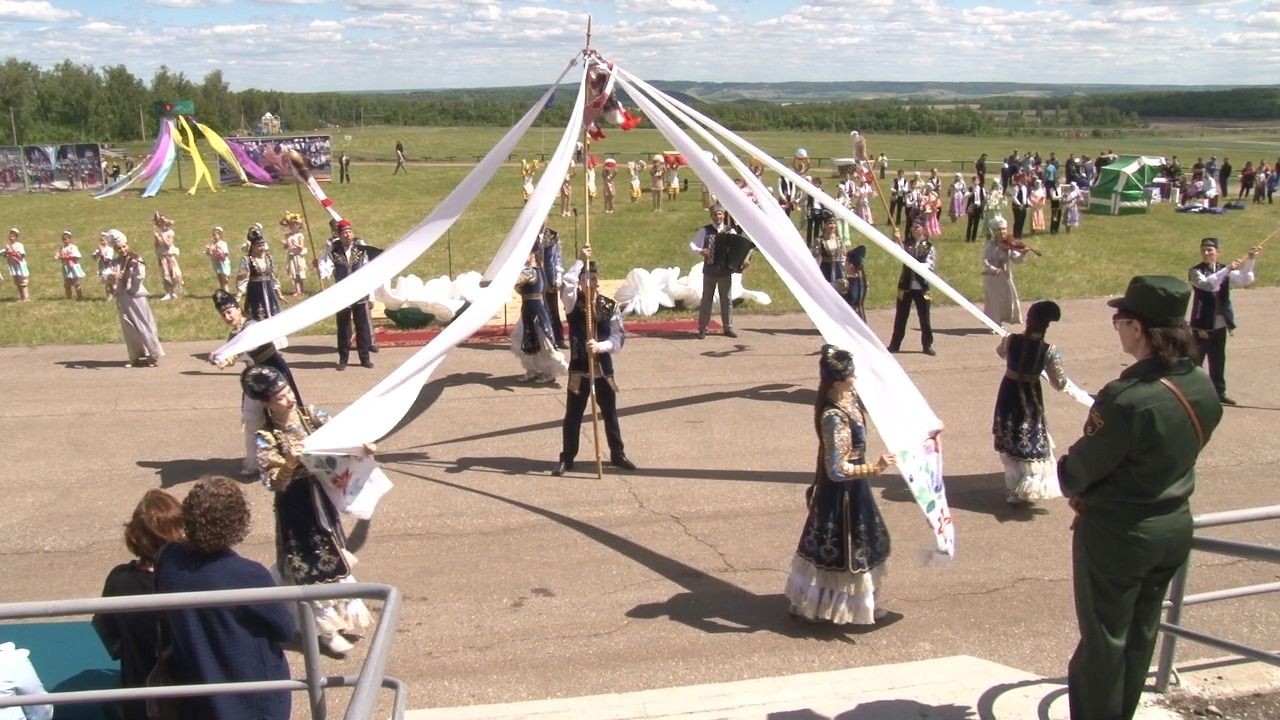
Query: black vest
point(602, 315)
point(920, 251)
point(1206, 305)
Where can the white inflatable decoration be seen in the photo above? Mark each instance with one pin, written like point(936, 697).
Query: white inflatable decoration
point(437, 296)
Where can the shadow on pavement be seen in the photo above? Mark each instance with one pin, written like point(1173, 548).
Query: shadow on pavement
point(883, 710)
point(710, 605)
point(92, 364)
point(987, 701)
point(773, 392)
point(177, 472)
point(585, 465)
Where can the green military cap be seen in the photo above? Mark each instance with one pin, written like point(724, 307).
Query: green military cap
point(1156, 300)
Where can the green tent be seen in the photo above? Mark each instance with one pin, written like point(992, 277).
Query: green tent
point(1122, 186)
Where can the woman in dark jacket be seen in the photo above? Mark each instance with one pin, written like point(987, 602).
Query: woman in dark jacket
point(132, 638)
point(226, 644)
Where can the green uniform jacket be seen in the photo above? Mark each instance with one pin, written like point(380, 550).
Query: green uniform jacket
point(1139, 446)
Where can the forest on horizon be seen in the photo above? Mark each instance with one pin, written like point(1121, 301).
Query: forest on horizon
point(81, 103)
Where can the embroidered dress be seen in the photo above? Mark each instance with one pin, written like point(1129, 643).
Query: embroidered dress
point(1020, 428)
point(257, 282)
point(311, 547)
point(844, 546)
point(532, 340)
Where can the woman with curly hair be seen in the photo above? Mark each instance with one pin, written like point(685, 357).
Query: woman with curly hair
point(132, 638)
point(844, 546)
point(311, 547)
point(225, 644)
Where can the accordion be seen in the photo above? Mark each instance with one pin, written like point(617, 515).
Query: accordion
point(729, 251)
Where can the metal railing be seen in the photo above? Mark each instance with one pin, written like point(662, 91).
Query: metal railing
point(1178, 598)
point(363, 700)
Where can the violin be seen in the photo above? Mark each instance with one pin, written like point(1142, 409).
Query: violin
point(1012, 245)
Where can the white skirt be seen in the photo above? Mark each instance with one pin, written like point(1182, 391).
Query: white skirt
point(835, 596)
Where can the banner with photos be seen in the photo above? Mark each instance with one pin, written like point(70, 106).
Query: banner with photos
point(272, 155)
point(72, 166)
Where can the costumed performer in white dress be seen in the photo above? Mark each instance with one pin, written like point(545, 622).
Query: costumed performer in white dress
point(1020, 427)
point(141, 339)
point(1000, 295)
point(311, 546)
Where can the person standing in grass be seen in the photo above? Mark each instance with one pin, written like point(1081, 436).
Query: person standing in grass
point(219, 257)
point(15, 254)
point(72, 272)
point(104, 255)
point(400, 159)
point(167, 252)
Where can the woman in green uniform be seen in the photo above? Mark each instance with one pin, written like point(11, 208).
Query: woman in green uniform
point(1129, 479)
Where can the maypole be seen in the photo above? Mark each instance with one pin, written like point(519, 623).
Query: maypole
point(590, 290)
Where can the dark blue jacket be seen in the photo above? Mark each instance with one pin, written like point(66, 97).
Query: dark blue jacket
point(224, 644)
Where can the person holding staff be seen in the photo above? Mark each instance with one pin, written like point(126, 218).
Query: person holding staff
point(1212, 318)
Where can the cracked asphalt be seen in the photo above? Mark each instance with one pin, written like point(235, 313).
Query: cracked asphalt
point(520, 585)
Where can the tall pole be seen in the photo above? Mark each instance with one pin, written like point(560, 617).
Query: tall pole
point(13, 123)
point(590, 290)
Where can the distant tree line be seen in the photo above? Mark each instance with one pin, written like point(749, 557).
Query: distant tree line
point(71, 102)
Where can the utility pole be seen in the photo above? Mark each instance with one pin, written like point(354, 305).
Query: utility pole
point(13, 123)
point(142, 124)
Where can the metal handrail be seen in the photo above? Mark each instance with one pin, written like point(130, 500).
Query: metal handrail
point(371, 678)
point(1178, 598)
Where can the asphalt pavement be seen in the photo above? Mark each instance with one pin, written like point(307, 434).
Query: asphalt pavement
point(522, 587)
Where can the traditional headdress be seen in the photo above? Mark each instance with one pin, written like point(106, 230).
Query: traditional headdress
point(262, 382)
point(290, 218)
point(255, 237)
point(857, 255)
point(999, 222)
point(343, 224)
point(1042, 313)
point(835, 363)
point(159, 219)
point(223, 300)
point(116, 237)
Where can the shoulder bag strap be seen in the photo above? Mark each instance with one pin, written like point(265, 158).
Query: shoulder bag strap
point(1186, 405)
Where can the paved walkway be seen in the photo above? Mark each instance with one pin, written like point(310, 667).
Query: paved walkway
point(520, 586)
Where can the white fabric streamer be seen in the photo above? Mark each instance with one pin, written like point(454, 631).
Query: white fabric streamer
point(376, 412)
point(1073, 390)
point(399, 255)
point(907, 424)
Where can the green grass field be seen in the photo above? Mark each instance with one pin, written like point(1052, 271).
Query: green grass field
point(1096, 260)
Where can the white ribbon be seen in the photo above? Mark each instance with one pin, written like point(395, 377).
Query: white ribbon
point(378, 411)
point(901, 414)
point(360, 284)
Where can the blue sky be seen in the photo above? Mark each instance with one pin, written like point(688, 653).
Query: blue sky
point(305, 45)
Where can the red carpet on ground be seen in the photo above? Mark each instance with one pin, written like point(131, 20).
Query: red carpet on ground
point(391, 336)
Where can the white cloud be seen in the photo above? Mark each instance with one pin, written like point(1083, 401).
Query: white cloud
point(447, 6)
point(659, 7)
point(188, 3)
point(33, 11)
point(1145, 14)
point(1268, 19)
point(100, 27)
